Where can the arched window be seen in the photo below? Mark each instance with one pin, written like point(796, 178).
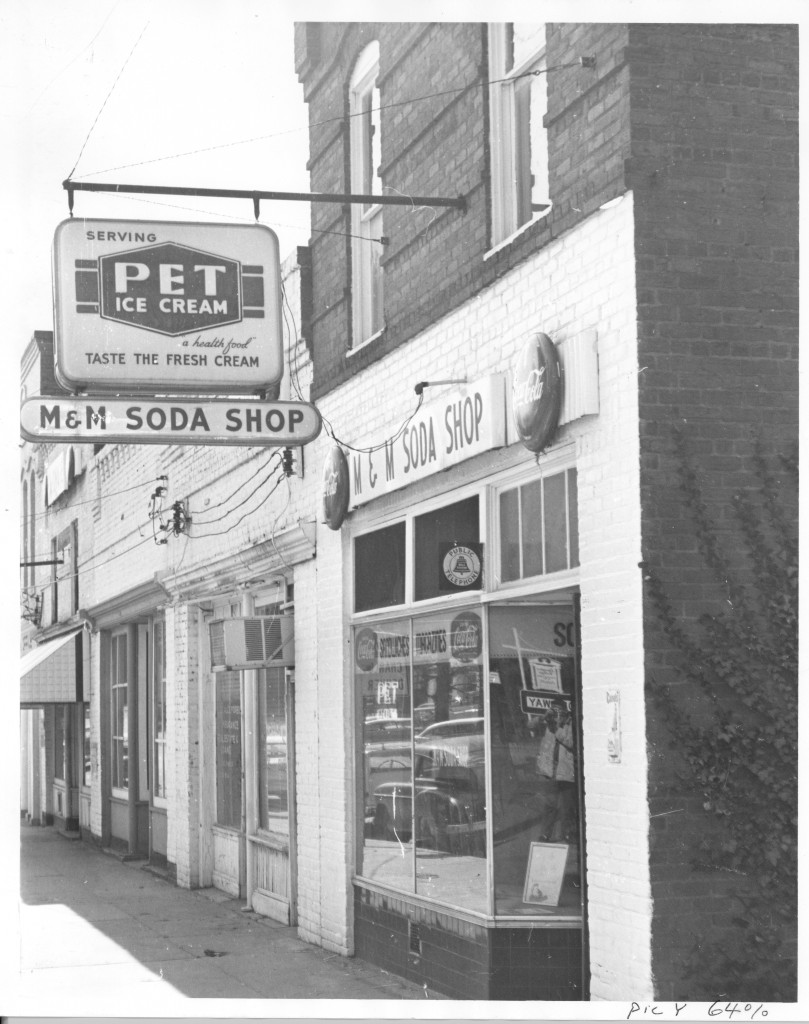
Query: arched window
point(366, 218)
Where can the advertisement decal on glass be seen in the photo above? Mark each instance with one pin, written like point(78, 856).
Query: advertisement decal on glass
point(466, 637)
point(461, 566)
point(365, 650)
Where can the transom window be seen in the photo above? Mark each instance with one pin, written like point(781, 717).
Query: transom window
point(518, 103)
point(538, 527)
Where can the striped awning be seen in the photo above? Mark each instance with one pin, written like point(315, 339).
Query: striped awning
point(51, 673)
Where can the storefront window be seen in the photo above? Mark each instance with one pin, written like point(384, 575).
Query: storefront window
point(120, 711)
point(228, 749)
point(419, 683)
point(538, 527)
point(535, 760)
point(273, 768)
point(379, 568)
point(159, 707)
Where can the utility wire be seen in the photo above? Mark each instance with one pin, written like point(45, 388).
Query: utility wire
point(244, 501)
point(244, 483)
point(75, 504)
point(331, 120)
point(106, 99)
point(264, 500)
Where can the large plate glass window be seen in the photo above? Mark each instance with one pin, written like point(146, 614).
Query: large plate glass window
point(423, 770)
point(518, 139)
point(535, 751)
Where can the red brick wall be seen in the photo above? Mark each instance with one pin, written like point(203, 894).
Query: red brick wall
point(714, 169)
point(434, 260)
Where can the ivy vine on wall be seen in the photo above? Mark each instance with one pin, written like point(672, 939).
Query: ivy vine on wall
point(736, 724)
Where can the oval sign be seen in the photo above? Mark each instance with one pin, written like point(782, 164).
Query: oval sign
point(335, 488)
point(537, 392)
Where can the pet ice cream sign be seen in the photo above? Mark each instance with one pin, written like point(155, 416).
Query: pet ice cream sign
point(167, 307)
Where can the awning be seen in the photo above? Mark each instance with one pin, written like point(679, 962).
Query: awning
point(52, 673)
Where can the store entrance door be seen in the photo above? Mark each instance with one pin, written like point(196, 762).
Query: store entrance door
point(271, 798)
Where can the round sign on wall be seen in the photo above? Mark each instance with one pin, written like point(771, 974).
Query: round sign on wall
point(537, 392)
point(335, 488)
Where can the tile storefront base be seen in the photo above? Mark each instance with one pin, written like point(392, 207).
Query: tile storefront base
point(464, 960)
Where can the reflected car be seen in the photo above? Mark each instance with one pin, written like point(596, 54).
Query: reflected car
point(449, 817)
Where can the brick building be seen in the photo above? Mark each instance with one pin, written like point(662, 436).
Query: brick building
point(466, 777)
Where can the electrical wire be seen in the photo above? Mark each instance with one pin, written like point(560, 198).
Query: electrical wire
point(88, 501)
point(235, 508)
point(331, 120)
point(106, 99)
point(264, 500)
point(224, 501)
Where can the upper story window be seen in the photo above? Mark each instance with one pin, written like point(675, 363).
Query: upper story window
point(518, 103)
point(64, 574)
point(366, 218)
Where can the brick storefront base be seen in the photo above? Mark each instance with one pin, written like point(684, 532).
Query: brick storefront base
point(464, 960)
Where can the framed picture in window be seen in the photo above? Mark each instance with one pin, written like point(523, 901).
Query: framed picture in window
point(545, 873)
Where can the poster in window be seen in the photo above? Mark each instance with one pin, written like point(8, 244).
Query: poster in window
point(545, 873)
point(460, 567)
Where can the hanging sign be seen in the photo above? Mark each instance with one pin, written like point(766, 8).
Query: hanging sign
point(537, 392)
point(335, 488)
point(166, 307)
point(136, 421)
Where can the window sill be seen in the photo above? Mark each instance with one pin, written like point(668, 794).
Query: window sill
point(364, 344)
point(506, 242)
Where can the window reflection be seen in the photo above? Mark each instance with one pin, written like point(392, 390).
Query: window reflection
point(273, 760)
point(534, 758)
point(424, 756)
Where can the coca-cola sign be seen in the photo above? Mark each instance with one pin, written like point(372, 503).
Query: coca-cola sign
point(365, 650)
point(335, 488)
point(466, 636)
point(537, 392)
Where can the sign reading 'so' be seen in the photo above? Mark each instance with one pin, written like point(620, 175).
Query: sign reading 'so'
point(537, 392)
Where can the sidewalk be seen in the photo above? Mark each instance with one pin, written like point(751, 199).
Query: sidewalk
point(92, 926)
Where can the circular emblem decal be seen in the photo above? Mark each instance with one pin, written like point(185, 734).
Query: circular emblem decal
point(466, 637)
point(335, 488)
point(537, 393)
point(365, 650)
point(461, 566)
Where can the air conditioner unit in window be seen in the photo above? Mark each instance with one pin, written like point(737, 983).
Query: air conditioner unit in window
point(253, 642)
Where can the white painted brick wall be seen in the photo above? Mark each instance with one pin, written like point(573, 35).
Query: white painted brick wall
point(584, 280)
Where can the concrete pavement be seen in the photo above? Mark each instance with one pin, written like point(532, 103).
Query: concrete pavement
point(98, 930)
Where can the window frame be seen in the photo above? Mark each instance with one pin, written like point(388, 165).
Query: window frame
point(366, 220)
point(158, 687)
point(504, 141)
point(551, 588)
point(116, 638)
